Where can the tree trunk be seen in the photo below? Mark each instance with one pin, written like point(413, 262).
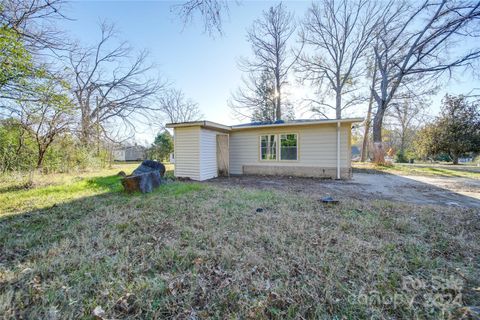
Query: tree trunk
point(364, 151)
point(338, 105)
point(41, 156)
point(110, 158)
point(85, 128)
point(278, 109)
point(363, 155)
point(97, 127)
point(378, 151)
point(402, 143)
point(84, 135)
point(455, 158)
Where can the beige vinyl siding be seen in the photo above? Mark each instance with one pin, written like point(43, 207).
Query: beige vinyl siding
point(208, 154)
point(187, 152)
point(317, 147)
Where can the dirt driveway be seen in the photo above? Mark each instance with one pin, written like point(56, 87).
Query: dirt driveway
point(445, 191)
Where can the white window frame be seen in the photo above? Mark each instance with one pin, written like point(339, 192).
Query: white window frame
point(260, 146)
point(280, 146)
point(277, 146)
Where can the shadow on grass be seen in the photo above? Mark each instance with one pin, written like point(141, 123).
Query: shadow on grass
point(22, 232)
point(106, 259)
point(19, 201)
point(18, 187)
point(37, 239)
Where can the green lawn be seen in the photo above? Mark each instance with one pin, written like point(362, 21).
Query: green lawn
point(54, 189)
point(196, 250)
point(423, 170)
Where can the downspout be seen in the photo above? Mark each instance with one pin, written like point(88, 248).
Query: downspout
point(338, 150)
point(174, 152)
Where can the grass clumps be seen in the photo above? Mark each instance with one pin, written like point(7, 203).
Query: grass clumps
point(204, 251)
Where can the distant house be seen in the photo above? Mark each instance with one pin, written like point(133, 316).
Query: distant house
point(309, 148)
point(130, 153)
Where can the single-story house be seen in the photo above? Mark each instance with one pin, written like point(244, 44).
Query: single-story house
point(308, 148)
point(130, 153)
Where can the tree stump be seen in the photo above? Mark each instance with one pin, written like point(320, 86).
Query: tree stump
point(145, 178)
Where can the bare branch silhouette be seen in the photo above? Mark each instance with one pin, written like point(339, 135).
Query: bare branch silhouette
point(270, 66)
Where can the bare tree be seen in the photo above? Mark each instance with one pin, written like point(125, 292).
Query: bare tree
point(212, 13)
point(409, 105)
point(29, 38)
point(255, 99)
point(406, 117)
point(48, 117)
point(111, 87)
point(177, 108)
point(268, 37)
point(338, 34)
point(368, 120)
point(33, 20)
point(414, 42)
point(31, 92)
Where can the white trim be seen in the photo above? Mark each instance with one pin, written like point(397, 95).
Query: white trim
point(204, 124)
point(280, 147)
point(260, 146)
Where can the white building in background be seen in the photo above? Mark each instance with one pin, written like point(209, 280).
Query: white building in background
point(130, 153)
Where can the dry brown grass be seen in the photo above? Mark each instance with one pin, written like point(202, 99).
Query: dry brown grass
point(193, 250)
point(435, 170)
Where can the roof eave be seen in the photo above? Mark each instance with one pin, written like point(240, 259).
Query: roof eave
point(204, 124)
point(217, 126)
point(311, 123)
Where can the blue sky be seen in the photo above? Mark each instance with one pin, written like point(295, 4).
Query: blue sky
point(204, 68)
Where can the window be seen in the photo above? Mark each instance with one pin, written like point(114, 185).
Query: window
point(288, 146)
point(268, 147)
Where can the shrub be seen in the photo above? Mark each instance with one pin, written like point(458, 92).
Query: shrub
point(18, 152)
point(401, 157)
